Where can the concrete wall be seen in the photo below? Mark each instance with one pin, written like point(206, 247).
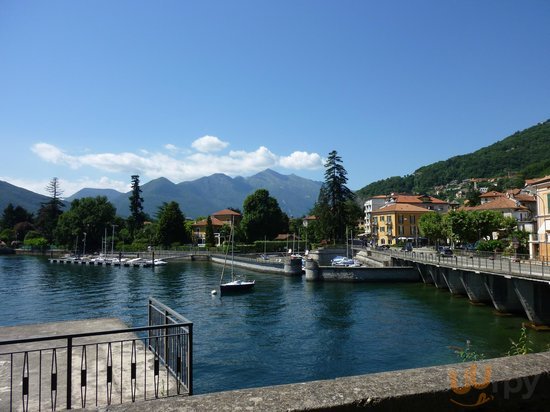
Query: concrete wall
point(503, 384)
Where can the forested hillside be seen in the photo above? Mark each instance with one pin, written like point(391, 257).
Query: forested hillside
point(525, 154)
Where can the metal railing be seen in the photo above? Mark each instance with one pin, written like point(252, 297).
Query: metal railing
point(515, 265)
point(99, 367)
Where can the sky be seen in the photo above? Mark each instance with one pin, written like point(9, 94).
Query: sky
point(93, 92)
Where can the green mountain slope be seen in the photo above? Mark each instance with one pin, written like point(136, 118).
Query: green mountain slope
point(18, 196)
point(525, 153)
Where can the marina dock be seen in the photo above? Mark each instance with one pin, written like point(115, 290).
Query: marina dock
point(104, 262)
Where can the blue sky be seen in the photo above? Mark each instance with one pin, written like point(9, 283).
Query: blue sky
point(92, 92)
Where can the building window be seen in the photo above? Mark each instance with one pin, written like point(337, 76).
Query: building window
point(413, 219)
point(381, 218)
point(388, 218)
point(400, 230)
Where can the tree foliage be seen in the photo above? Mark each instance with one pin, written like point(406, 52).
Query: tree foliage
point(137, 216)
point(15, 214)
point(433, 227)
point(262, 217)
point(90, 215)
point(209, 235)
point(49, 212)
point(333, 209)
point(171, 225)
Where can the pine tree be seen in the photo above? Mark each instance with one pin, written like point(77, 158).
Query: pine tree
point(331, 209)
point(137, 216)
point(49, 212)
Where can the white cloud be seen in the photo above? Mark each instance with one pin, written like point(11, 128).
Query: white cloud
point(171, 147)
point(176, 165)
point(301, 160)
point(54, 155)
point(207, 144)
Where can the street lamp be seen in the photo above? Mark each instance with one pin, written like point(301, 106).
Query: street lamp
point(113, 241)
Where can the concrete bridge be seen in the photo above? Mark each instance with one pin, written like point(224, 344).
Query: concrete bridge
point(510, 285)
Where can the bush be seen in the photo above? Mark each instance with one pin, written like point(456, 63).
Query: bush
point(490, 245)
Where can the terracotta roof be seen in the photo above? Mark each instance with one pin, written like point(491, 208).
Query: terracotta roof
point(226, 212)
point(545, 179)
point(492, 193)
point(416, 199)
point(215, 222)
point(524, 197)
point(498, 204)
point(400, 207)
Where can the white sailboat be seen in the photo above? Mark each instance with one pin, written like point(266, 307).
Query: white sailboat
point(236, 284)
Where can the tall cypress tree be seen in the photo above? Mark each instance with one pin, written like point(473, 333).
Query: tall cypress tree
point(137, 216)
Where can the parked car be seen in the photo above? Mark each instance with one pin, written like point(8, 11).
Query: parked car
point(444, 251)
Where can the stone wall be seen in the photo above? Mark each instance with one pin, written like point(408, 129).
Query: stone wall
point(503, 384)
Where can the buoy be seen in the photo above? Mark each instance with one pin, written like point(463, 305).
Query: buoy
point(214, 292)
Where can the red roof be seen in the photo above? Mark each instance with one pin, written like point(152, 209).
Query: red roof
point(492, 193)
point(400, 207)
point(226, 212)
point(499, 203)
point(417, 199)
point(215, 222)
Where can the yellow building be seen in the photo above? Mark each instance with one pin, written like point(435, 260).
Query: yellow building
point(542, 239)
point(396, 222)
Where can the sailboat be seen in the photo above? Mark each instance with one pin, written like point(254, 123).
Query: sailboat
point(236, 284)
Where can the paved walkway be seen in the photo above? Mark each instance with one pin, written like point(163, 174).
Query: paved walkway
point(93, 360)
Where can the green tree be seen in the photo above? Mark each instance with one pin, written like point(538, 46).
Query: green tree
point(432, 226)
point(137, 216)
point(262, 217)
point(473, 197)
point(171, 225)
point(209, 236)
point(462, 226)
point(87, 219)
point(15, 214)
point(332, 208)
point(49, 212)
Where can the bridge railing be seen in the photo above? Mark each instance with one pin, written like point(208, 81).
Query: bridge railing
point(518, 265)
point(97, 368)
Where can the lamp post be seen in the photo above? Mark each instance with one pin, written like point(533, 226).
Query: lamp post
point(113, 241)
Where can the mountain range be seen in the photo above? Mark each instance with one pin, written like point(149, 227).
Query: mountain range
point(295, 195)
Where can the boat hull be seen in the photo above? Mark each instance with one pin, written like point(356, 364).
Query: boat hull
point(237, 286)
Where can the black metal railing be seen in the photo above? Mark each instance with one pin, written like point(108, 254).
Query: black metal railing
point(97, 368)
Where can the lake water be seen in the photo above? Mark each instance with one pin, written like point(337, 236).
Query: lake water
point(287, 330)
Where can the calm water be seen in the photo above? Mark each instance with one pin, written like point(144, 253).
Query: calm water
point(287, 330)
